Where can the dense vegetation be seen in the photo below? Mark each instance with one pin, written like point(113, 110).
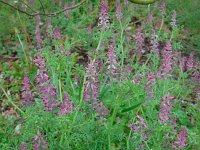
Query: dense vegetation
point(101, 75)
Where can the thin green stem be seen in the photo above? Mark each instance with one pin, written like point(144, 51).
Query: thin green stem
point(100, 40)
point(121, 42)
point(60, 90)
point(172, 35)
point(162, 22)
point(16, 31)
point(10, 101)
point(81, 99)
point(111, 124)
point(129, 136)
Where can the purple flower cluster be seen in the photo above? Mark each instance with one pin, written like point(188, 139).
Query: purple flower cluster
point(182, 63)
point(196, 74)
point(149, 18)
point(104, 19)
point(139, 39)
point(149, 86)
point(38, 33)
point(111, 61)
point(56, 33)
point(163, 8)
point(190, 62)
point(118, 11)
point(27, 95)
point(182, 138)
point(165, 108)
point(47, 90)
point(126, 72)
point(23, 146)
point(198, 95)
point(39, 142)
point(92, 89)
point(154, 43)
point(92, 81)
point(139, 127)
point(173, 19)
point(66, 106)
point(167, 59)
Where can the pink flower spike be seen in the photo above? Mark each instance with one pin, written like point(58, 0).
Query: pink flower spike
point(165, 108)
point(118, 11)
point(66, 106)
point(182, 138)
point(27, 95)
point(56, 33)
point(139, 39)
point(104, 19)
point(190, 62)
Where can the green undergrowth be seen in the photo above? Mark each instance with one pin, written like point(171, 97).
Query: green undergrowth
point(131, 95)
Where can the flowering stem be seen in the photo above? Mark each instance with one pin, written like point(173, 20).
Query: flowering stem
point(99, 44)
point(148, 59)
point(60, 90)
point(81, 98)
point(129, 136)
point(109, 145)
point(161, 25)
point(121, 42)
point(112, 120)
point(172, 35)
point(83, 88)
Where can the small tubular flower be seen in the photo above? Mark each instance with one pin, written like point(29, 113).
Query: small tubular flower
point(104, 19)
point(182, 63)
point(167, 59)
point(23, 146)
point(118, 11)
point(181, 138)
point(139, 39)
point(173, 19)
point(163, 8)
point(190, 62)
point(27, 95)
point(39, 142)
point(149, 86)
point(154, 43)
point(46, 90)
point(57, 34)
point(139, 126)
point(66, 106)
point(91, 91)
point(111, 61)
point(165, 108)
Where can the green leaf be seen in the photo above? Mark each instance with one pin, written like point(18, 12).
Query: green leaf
point(132, 107)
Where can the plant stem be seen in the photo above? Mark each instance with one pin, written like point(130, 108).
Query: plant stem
point(10, 101)
point(121, 42)
point(60, 90)
point(99, 44)
point(27, 61)
point(81, 99)
point(161, 25)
